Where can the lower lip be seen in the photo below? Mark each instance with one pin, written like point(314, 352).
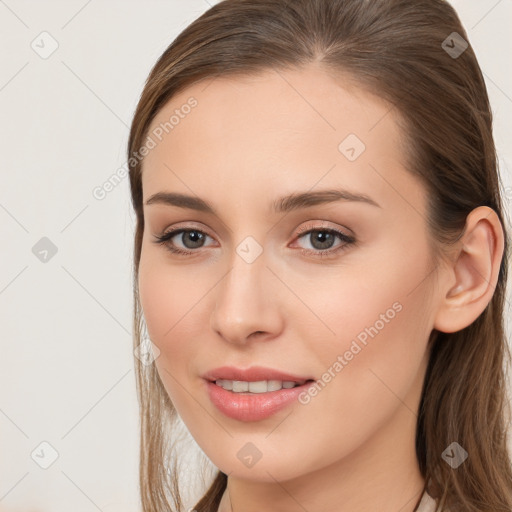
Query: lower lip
point(253, 406)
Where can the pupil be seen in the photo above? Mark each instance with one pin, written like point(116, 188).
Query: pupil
point(324, 238)
point(196, 238)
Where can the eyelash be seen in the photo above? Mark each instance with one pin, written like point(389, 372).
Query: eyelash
point(346, 239)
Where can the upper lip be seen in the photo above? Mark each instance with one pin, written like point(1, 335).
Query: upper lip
point(252, 374)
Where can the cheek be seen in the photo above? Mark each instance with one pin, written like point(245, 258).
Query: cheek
point(379, 301)
point(376, 307)
point(382, 319)
point(176, 318)
point(373, 357)
point(168, 305)
point(168, 294)
point(176, 301)
point(165, 315)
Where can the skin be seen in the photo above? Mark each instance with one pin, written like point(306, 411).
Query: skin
point(248, 141)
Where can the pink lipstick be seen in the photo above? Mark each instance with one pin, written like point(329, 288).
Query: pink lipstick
point(254, 393)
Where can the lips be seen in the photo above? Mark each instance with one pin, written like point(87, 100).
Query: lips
point(243, 406)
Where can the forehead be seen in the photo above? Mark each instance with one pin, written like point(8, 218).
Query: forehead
point(294, 124)
point(278, 99)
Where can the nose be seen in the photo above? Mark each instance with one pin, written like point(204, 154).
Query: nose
point(247, 303)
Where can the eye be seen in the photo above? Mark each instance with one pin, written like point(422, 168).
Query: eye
point(322, 241)
point(190, 239)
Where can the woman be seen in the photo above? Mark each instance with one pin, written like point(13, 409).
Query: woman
point(320, 261)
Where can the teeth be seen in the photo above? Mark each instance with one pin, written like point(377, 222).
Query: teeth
point(274, 385)
point(258, 387)
point(240, 386)
point(262, 386)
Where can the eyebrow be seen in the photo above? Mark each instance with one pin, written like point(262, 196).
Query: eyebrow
point(283, 204)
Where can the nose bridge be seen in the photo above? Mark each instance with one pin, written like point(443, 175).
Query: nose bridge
point(245, 300)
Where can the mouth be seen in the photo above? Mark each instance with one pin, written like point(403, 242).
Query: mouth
point(253, 394)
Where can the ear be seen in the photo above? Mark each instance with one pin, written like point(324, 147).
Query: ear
point(470, 280)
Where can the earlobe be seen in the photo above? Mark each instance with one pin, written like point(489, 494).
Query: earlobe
point(472, 277)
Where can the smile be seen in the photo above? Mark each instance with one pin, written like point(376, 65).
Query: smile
point(254, 400)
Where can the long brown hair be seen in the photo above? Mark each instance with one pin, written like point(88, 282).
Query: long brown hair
point(406, 52)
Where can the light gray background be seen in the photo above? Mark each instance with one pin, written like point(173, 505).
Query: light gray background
point(66, 361)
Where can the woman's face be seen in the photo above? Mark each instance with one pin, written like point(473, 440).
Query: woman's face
point(283, 273)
